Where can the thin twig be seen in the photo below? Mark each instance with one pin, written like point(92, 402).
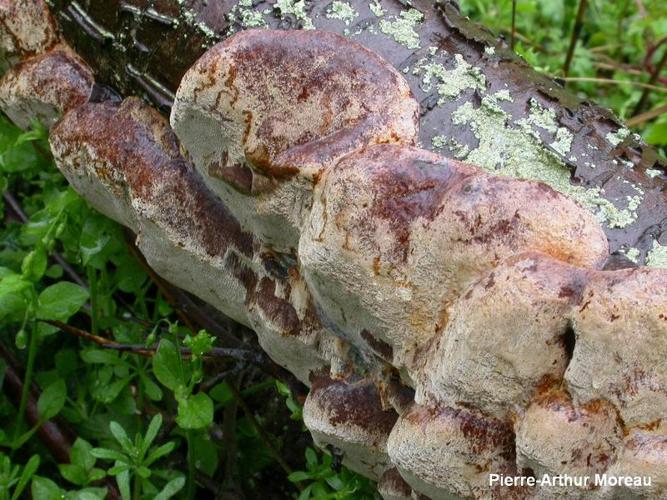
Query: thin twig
point(576, 31)
point(513, 35)
point(651, 81)
point(611, 81)
point(648, 115)
point(148, 351)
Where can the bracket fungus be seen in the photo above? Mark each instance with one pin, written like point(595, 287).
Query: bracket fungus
point(449, 322)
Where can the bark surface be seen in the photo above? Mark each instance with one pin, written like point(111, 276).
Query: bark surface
point(479, 102)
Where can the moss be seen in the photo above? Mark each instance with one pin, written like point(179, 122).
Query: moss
point(296, 8)
point(657, 256)
point(402, 28)
point(342, 11)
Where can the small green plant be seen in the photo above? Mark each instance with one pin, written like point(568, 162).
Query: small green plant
point(324, 482)
point(133, 463)
point(14, 478)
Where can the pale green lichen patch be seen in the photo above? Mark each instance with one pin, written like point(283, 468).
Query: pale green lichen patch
point(342, 11)
point(510, 151)
point(449, 83)
point(244, 14)
point(615, 138)
point(503, 95)
point(489, 50)
point(402, 28)
point(296, 8)
point(657, 256)
point(460, 151)
point(632, 253)
point(652, 172)
point(439, 141)
point(376, 8)
point(542, 117)
point(563, 142)
point(545, 118)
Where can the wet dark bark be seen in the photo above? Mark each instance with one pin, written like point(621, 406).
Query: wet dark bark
point(145, 46)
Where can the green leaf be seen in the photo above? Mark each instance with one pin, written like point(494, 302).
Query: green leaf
point(54, 271)
point(151, 432)
point(75, 474)
point(100, 356)
point(45, 489)
point(656, 134)
point(60, 301)
point(52, 400)
point(206, 452)
point(152, 390)
point(34, 264)
point(121, 436)
point(159, 452)
point(96, 474)
point(143, 472)
point(27, 473)
point(166, 365)
point(123, 480)
point(311, 458)
point(118, 469)
point(171, 488)
point(305, 494)
point(221, 393)
point(298, 476)
point(107, 454)
point(87, 494)
point(80, 454)
point(195, 411)
point(11, 284)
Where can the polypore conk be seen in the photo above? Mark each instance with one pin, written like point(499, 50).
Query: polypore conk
point(392, 486)
point(45, 86)
point(26, 28)
point(621, 344)
point(264, 112)
point(507, 335)
point(397, 233)
point(348, 415)
point(448, 453)
point(555, 437)
point(643, 457)
point(126, 161)
point(476, 288)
